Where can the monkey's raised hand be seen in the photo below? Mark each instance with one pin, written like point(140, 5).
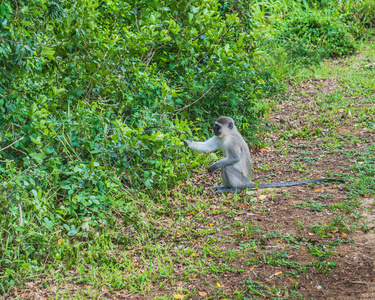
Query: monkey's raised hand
point(210, 145)
point(211, 169)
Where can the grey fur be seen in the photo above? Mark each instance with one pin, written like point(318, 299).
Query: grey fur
point(236, 166)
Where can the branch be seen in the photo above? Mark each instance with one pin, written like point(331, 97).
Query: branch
point(163, 127)
point(11, 144)
point(21, 218)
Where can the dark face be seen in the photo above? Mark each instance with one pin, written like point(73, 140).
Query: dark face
point(217, 130)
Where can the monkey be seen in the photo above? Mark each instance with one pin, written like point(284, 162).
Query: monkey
point(236, 166)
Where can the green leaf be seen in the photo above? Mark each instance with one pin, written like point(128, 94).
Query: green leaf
point(148, 182)
point(70, 262)
point(73, 231)
point(32, 109)
point(48, 223)
point(26, 23)
point(240, 40)
point(48, 52)
point(85, 225)
point(35, 193)
point(194, 10)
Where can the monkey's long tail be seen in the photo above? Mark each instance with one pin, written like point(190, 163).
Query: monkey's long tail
point(290, 183)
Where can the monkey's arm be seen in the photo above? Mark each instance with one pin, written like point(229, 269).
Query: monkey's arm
point(223, 163)
point(210, 145)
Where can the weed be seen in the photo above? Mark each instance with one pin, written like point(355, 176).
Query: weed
point(313, 205)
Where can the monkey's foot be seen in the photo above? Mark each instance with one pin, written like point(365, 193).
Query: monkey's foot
point(217, 187)
point(227, 190)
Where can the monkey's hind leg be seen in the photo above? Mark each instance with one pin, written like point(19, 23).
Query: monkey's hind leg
point(225, 182)
point(227, 190)
point(231, 181)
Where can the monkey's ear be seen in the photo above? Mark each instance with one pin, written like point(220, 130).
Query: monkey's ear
point(230, 125)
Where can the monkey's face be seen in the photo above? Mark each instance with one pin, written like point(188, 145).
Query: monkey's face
point(217, 130)
point(223, 126)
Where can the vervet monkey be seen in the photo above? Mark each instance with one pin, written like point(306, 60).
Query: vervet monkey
point(236, 166)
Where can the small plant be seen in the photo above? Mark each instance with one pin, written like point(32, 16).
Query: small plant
point(323, 266)
point(313, 205)
point(320, 251)
point(323, 230)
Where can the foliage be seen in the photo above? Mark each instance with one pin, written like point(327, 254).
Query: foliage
point(146, 69)
point(98, 97)
point(316, 31)
point(357, 14)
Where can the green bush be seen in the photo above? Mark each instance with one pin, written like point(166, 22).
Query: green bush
point(99, 96)
point(91, 65)
point(316, 31)
point(359, 15)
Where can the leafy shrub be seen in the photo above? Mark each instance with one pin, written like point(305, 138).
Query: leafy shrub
point(317, 30)
point(82, 79)
point(358, 14)
point(98, 97)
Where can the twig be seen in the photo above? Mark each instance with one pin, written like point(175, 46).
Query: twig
point(151, 54)
point(3, 39)
point(359, 282)
point(186, 106)
point(19, 150)
point(11, 144)
point(136, 20)
point(21, 218)
point(164, 127)
point(57, 82)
